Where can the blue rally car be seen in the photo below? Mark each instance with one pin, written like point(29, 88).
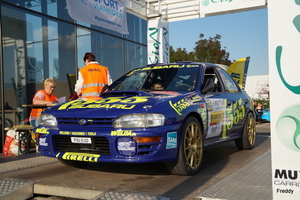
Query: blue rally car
point(197, 105)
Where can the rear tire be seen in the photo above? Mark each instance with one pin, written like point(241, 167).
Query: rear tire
point(248, 138)
point(190, 153)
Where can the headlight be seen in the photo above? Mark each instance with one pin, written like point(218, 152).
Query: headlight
point(139, 121)
point(47, 120)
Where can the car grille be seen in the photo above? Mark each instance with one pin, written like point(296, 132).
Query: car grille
point(100, 145)
point(91, 122)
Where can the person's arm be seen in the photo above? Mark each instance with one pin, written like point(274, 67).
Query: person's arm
point(39, 98)
point(44, 102)
point(79, 84)
point(109, 80)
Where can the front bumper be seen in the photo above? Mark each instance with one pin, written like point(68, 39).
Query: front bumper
point(112, 145)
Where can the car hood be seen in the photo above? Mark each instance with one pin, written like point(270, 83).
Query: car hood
point(116, 103)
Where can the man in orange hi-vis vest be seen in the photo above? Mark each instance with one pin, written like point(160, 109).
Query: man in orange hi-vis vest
point(91, 78)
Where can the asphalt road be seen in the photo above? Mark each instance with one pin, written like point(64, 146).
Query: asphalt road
point(219, 162)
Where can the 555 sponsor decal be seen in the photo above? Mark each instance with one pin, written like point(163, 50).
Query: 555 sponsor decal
point(234, 114)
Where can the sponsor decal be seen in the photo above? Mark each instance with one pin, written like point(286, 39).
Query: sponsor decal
point(171, 140)
point(42, 142)
point(214, 129)
point(222, 118)
point(126, 146)
point(216, 116)
point(160, 67)
point(129, 100)
point(179, 106)
point(196, 98)
point(284, 178)
point(77, 133)
point(203, 113)
point(42, 130)
point(108, 103)
point(234, 113)
point(122, 133)
point(200, 110)
point(209, 105)
point(86, 157)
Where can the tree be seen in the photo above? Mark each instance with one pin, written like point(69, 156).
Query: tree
point(210, 50)
point(178, 55)
point(206, 50)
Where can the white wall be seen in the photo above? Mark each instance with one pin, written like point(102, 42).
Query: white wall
point(257, 86)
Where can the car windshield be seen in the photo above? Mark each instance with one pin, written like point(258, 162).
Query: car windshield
point(169, 77)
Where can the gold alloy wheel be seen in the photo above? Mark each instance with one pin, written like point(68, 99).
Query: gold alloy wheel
point(251, 130)
point(193, 145)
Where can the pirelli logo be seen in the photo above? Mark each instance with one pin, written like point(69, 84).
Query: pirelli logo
point(80, 157)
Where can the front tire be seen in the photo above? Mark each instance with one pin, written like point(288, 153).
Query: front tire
point(190, 153)
point(248, 138)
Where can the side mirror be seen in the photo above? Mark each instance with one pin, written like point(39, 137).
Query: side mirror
point(208, 86)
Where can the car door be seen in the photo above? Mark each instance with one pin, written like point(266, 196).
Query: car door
point(216, 106)
point(225, 106)
point(234, 100)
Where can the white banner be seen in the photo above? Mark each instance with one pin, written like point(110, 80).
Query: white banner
point(110, 14)
point(158, 41)
point(284, 48)
point(214, 6)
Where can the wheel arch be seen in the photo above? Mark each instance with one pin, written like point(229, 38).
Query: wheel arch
point(250, 111)
point(197, 116)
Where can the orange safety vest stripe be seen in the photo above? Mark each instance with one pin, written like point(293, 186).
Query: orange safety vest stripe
point(94, 78)
point(35, 112)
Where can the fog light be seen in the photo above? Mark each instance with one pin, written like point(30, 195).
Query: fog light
point(147, 139)
point(126, 146)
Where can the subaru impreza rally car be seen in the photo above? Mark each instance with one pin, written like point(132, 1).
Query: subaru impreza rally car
point(199, 106)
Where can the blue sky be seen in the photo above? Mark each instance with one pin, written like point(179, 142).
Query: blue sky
point(243, 34)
